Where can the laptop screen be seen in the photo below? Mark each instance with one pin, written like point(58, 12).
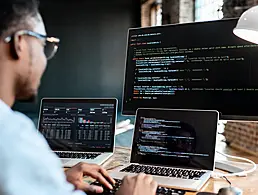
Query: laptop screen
point(176, 138)
point(86, 125)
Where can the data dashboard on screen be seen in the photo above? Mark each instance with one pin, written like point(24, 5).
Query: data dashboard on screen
point(191, 66)
point(78, 125)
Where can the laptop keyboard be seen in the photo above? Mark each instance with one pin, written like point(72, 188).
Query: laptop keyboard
point(163, 171)
point(77, 155)
point(160, 190)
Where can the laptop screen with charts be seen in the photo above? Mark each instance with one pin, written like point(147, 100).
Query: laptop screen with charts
point(84, 125)
point(175, 138)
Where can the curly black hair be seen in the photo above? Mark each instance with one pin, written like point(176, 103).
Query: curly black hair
point(14, 14)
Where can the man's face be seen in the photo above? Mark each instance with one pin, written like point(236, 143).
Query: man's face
point(32, 63)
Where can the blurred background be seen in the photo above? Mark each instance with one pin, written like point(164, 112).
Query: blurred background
point(91, 58)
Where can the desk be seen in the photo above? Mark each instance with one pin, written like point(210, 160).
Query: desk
point(248, 184)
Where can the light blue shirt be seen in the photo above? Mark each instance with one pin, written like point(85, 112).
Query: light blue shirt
point(27, 164)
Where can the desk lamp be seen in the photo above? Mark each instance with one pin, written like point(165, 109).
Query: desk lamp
point(247, 26)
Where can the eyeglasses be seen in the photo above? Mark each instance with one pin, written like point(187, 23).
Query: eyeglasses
point(51, 43)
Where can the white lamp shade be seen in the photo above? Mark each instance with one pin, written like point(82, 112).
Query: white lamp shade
point(247, 26)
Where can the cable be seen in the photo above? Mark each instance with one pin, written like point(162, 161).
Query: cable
point(228, 181)
point(243, 173)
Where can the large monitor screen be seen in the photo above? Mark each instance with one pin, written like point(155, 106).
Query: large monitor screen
point(192, 66)
point(78, 124)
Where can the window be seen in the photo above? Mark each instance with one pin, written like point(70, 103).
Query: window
point(151, 11)
point(156, 14)
point(206, 10)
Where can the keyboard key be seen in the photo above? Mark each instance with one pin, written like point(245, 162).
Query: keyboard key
point(162, 171)
point(160, 190)
point(77, 155)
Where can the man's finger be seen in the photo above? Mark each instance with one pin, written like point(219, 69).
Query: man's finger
point(94, 189)
point(105, 173)
point(98, 176)
point(90, 188)
point(154, 186)
point(103, 181)
point(148, 179)
point(95, 172)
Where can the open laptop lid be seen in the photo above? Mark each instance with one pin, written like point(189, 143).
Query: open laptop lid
point(175, 138)
point(86, 125)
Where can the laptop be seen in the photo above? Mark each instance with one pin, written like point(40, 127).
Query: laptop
point(79, 130)
point(177, 147)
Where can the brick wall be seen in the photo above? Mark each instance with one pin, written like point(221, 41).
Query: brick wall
point(243, 136)
point(252, 2)
point(233, 8)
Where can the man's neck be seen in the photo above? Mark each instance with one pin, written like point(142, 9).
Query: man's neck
point(7, 87)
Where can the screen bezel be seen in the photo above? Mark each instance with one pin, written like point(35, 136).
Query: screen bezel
point(141, 112)
point(125, 112)
point(84, 100)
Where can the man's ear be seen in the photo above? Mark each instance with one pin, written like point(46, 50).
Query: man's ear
point(17, 46)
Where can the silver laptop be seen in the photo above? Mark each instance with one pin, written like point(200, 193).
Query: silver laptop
point(177, 147)
point(79, 130)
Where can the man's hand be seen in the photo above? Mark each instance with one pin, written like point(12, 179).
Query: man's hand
point(75, 176)
point(138, 185)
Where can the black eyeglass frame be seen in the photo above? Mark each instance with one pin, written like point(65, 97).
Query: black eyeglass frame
point(52, 40)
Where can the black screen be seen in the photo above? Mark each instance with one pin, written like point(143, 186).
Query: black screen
point(177, 138)
point(191, 66)
point(79, 124)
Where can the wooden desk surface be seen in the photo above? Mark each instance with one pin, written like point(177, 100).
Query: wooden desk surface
point(248, 184)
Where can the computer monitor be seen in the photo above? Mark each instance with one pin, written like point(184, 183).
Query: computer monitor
point(199, 65)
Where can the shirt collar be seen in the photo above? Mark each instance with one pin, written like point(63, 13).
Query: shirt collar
point(4, 106)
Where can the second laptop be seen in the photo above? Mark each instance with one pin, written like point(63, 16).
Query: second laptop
point(79, 130)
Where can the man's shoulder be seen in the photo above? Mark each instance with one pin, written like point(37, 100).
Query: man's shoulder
point(24, 120)
point(12, 120)
point(19, 135)
point(16, 129)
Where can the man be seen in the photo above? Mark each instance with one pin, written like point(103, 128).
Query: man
point(27, 165)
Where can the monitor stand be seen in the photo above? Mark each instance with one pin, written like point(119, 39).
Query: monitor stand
point(220, 165)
